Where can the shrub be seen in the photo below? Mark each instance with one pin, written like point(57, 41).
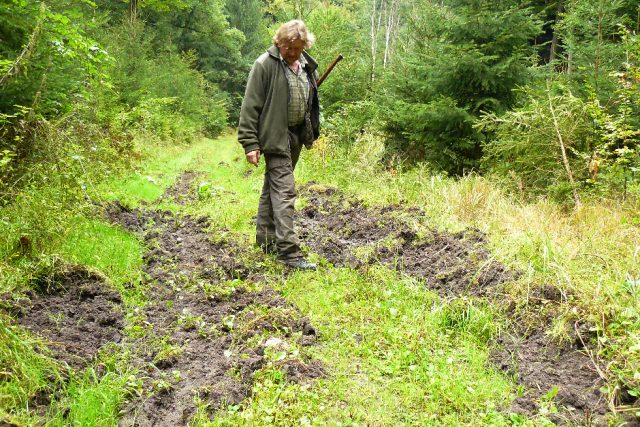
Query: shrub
point(544, 145)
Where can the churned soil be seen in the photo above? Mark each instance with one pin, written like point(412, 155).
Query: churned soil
point(183, 190)
point(553, 372)
point(74, 311)
point(205, 334)
point(346, 233)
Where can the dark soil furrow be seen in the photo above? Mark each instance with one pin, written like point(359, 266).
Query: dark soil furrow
point(75, 312)
point(346, 233)
point(183, 191)
point(206, 334)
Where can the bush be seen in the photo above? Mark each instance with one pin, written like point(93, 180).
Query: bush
point(350, 121)
point(163, 94)
point(461, 59)
point(543, 146)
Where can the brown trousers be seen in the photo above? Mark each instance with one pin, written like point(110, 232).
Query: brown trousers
point(274, 224)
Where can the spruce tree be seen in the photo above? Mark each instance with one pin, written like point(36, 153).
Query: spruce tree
point(461, 58)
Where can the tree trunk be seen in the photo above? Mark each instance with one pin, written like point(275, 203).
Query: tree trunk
point(389, 38)
point(28, 49)
point(133, 11)
point(554, 39)
point(596, 64)
point(375, 29)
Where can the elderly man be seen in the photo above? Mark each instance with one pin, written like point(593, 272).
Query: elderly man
point(280, 113)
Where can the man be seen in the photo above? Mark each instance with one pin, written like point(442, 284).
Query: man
point(280, 113)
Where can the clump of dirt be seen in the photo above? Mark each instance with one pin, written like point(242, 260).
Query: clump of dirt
point(75, 312)
point(452, 264)
point(553, 372)
point(205, 334)
point(181, 246)
point(346, 233)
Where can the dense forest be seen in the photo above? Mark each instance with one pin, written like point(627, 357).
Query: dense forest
point(538, 99)
point(543, 94)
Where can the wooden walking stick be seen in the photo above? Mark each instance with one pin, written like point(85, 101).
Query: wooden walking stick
point(326, 73)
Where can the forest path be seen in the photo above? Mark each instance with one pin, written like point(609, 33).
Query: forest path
point(397, 314)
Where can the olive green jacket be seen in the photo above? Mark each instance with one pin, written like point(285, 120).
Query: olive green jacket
point(264, 113)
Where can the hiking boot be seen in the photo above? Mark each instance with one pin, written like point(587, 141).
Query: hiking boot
point(298, 263)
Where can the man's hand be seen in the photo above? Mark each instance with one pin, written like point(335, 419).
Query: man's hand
point(253, 157)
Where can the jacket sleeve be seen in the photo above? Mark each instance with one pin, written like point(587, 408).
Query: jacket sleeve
point(252, 104)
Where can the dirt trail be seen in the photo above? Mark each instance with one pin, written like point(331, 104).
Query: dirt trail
point(201, 336)
point(346, 233)
point(215, 333)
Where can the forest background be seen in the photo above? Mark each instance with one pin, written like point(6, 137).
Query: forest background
point(541, 94)
point(542, 98)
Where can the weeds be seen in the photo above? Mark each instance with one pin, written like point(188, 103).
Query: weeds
point(383, 338)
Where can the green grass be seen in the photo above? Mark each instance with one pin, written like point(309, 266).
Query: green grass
point(161, 164)
point(111, 250)
point(232, 187)
point(94, 396)
point(590, 254)
point(395, 353)
point(25, 372)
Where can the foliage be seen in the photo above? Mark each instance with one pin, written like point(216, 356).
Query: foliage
point(616, 157)
point(460, 60)
point(27, 369)
point(526, 146)
point(591, 33)
point(201, 29)
point(46, 56)
point(338, 33)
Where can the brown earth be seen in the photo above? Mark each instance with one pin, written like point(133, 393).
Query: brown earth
point(554, 372)
point(346, 233)
point(183, 191)
point(214, 333)
point(75, 312)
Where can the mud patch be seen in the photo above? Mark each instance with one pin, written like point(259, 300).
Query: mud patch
point(561, 374)
point(75, 312)
point(203, 334)
point(183, 190)
point(346, 233)
point(452, 264)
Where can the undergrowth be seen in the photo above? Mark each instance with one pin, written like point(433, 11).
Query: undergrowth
point(590, 254)
point(383, 338)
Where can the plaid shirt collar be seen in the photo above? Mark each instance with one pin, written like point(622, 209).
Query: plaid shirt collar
point(302, 60)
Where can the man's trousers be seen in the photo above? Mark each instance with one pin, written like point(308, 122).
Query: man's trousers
point(274, 224)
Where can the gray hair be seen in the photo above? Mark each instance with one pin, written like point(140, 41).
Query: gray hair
point(294, 30)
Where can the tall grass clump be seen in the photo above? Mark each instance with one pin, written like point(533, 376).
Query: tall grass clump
point(28, 374)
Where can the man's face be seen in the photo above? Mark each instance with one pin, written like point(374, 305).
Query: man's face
point(291, 50)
